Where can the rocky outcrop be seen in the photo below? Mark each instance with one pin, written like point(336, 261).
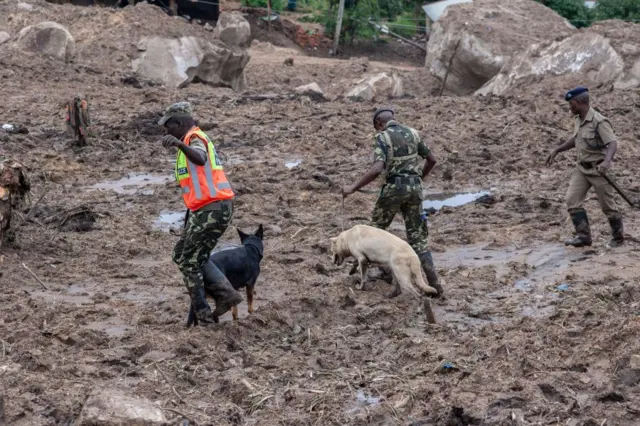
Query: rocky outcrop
point(48, 38)
point(588, 54)
point(377, 87)
point(484, 35)
point(233, 30)
point(178, 62)
point(112, 407)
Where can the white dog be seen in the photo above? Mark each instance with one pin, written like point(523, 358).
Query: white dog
point(372, 245)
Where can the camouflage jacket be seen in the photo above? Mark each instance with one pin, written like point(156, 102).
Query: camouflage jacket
point(401, 150)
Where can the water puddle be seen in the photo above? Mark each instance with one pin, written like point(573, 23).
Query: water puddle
point(168, 220)
point(133, 183)
point(363, 400)
point(532, 295)
point(292, 164)
point(451, 199)
point(110, 329)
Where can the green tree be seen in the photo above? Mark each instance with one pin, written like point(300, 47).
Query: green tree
point(575, 11)
point(628, 10)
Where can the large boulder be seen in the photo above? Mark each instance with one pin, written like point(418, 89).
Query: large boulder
point(48, 38)
point(588, 54)
point(624, 37)
point(178, 62)
point(377, 87)
point(113, 407)
point(487, 33)
point(233, 30)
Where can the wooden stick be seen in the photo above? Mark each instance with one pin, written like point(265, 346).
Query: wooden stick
point(35, 277)
point(446, 75)
point(336, 37)
point(178, 413)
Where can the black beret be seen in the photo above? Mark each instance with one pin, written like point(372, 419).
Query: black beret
point(382, 109)
point(575, 92)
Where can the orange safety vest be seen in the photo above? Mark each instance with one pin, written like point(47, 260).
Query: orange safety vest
point(201, 185)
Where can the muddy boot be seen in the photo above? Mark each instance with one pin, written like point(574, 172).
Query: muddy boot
point(617, 231)
point(430, 271)
point(583, 232)
point(219, 287)
point(199, 310)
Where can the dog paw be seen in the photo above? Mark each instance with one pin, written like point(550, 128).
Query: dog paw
point(359, 286)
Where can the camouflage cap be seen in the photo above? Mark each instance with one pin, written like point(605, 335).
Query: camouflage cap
point(177, 110)
point(383, 109)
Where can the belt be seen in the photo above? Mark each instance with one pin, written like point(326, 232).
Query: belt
point(404, 180)
point(591, 164)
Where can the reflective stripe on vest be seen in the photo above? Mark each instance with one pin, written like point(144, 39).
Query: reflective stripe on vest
point(201, 185)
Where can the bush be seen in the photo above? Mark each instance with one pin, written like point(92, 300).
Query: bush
point(404, 25)
point(628, 10)
point(574, 11)
point(276, 5)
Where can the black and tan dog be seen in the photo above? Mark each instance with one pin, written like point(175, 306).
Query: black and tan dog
point(240, 265)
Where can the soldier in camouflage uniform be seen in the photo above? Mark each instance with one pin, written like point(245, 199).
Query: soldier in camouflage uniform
point(398, 151)
point(596, 146)
point(206, 224)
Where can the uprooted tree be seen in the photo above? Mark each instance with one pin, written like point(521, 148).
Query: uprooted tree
point(14, 186)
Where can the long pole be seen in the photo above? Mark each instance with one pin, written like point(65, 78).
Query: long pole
point(336, 38)
point(269, 14)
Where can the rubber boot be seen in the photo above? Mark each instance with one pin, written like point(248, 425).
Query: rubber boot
point(617, 231)
point(583, 231)
point(430, 271)
point(200, 310)
point(219, 287)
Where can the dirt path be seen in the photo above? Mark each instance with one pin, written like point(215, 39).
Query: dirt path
point(530, 332)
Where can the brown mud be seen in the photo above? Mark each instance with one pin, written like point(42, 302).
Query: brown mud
point(530, 332)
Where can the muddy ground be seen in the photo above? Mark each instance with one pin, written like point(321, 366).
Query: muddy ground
point(529, 333)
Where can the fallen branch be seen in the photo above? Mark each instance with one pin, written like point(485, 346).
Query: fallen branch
point(446, 75)
point(178, 413)
point(35, 277)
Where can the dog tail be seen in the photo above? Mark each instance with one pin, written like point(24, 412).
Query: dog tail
point(416, 271)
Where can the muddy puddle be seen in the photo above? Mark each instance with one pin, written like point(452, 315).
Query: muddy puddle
point(533, 291)
point(451, 199)
point(169, 219)
point(362, 401)
point(111, 329)
point(134, 183)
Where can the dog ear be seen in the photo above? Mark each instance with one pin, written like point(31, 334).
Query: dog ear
point(333, 239)
point(259, 232)
point(243, 236)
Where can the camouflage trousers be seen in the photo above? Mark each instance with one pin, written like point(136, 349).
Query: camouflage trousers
point(407, 200)
point(201, 234)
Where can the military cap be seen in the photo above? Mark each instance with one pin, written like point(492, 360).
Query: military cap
point(575, 92)
point(381, 110)
point(177, 110)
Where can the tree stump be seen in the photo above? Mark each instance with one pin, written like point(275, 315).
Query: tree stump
point(14, 186)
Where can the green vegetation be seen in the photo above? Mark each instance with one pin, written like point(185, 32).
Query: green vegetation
point(581, 16)
point(406, 17)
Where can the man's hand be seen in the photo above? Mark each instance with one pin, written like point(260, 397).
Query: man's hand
point(604, 167)
point(551, 157)
point(168, 141)
point(347, 190)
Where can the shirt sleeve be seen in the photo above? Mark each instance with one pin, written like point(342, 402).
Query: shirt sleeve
point(423, 150)
point(197, 143)
point(606, 132)
point(378, 152)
